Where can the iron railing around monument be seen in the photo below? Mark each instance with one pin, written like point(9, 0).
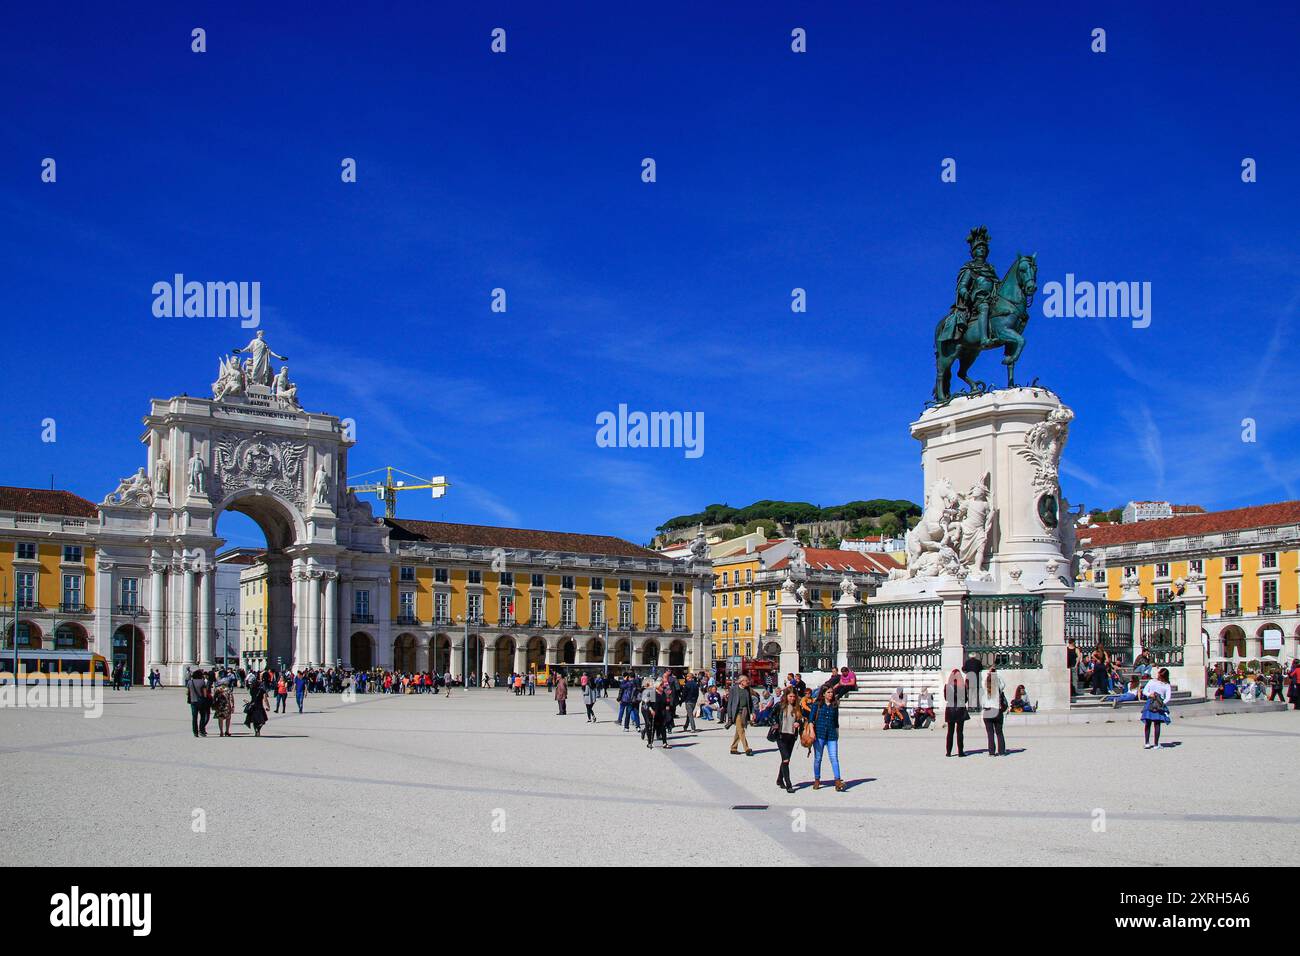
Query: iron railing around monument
point(1109, 623)
point(895, 636)
point(1163, 633)
point(818, 639)
point(1003, 630)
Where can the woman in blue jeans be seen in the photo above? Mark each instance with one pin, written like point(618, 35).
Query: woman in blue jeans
point(825, 718)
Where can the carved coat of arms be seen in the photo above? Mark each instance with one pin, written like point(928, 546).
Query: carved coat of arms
point(259, 461)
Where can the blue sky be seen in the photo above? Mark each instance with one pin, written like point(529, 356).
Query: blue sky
point(775, 171)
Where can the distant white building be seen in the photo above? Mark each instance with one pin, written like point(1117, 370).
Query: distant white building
point(1154, 510)
point(873, 544)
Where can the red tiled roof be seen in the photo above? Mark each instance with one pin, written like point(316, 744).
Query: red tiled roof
point(45, 501)
point(488, 536)
point(818, 558)
point(1195, 523)
point(1187, 509)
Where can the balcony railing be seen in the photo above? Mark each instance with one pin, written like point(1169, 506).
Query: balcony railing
point(133, 610)
point(407, 619)
point(1230, 612)
point(1270, 609)
point(30, 606)
point(363, 619)
point(73, 608)
point(654, 628)
point(681, 629)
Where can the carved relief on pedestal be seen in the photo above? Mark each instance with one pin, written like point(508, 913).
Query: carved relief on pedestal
point(1044, 443)
point(953, 537)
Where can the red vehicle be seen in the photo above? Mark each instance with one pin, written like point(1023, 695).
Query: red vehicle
point(759, 671)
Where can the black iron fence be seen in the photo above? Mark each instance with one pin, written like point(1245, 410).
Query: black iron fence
point(1003, 629)
point(1109, 623)
point(895, 636)
point(1163, 633)
point(818, 639)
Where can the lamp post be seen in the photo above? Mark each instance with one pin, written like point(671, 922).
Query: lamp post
point(226, 614)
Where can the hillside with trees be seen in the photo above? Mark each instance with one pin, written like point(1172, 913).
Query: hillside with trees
point(879, 515)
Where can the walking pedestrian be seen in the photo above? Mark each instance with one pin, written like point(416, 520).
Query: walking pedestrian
point(255, 710)
point(740, 706)
point(787, 722)
point(954, 711)
point(690, 697)
point(825, 719)
point(223, 706)
point(589, 694)
point(994, 701)
point(299, 688)
point(199, 696)
point(1155, 711)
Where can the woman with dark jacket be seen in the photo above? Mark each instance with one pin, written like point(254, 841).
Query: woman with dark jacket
point(787, 724)
point(825, 718)
point(255, 710)
point(954, 711)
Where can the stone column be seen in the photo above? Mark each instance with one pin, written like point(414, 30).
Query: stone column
point(1193, 676)
point(790, 608)
point(521, 656)
point(847, 602)
point(101, 641)
point(188, 651)
point(1135, 602)
point(953, 653)
point(458, 639)
point(314, 648)
point(157, 613)
point(207, 599)
point(331, 618)
point(1054, 684)
point(300, 612)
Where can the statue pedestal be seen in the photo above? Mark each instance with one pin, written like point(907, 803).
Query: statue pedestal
point(1010, 435)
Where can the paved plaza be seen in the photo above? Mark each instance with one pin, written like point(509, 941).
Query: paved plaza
point(486, 777)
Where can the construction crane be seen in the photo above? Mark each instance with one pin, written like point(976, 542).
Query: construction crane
point(387, 489)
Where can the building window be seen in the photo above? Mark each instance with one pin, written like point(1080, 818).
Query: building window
point(26, 551)
point(566, 612)
point(749, 575)
point(475, 577)
point(440, 602)
point(507, 579)
point(71, 592)
point(771, 595)
point(1232, 563)
point(735, 624)
point(407, 574)
point(598, 584)
point(624, 613)
point(1232, 595)
point(1130, 571)
point(1162, 570)
point(652, 614)
point(566, 582)
point(679, 615)
point(749, 625)
point(361, 604)
point(130, 592)
point(679, 587)
point(441, 576)
point(1197, 565)
point(1163, 595)
point(771, 619)
point(25, 586)
point(539, 580)
point(724, 598)
point(1268, 594)
point(72, 553)
point(625, 585)
point(537, 611)
point(1268, 560)
point(1098, 576)
point(726, 577)
point(725, 627)
point(474, 608)
point(406, 606)
point(713, 627)
point(816, 595)
point(506, 609)
point(597, 612)
point(652, 587)
point(749, 649)
point(749, 598)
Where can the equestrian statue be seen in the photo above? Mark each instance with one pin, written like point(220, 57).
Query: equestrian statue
point(988, 313)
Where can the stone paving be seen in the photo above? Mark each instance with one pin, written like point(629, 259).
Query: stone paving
point(486, 777)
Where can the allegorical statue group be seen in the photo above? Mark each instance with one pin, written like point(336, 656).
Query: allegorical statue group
point(988, 313)
point(234, 378)
point(952, 538)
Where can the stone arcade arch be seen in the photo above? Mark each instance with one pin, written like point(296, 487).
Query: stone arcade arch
point(504, 658)
point(363, 651)
point(251, 448)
